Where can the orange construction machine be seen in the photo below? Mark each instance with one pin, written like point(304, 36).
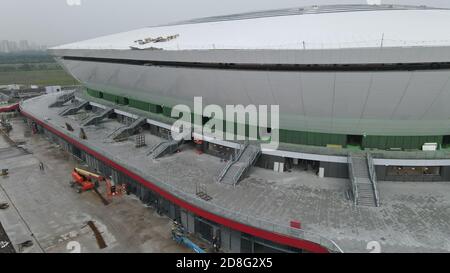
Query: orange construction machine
point(85, 180)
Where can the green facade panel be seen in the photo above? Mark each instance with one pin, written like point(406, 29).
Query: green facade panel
point(290, 136)
point(139, 104)
point(166, 111)
point(310, 138)
point(403, 142)
point(94, 93)
point(155, 108)
point(110, 97)
point(122, 100)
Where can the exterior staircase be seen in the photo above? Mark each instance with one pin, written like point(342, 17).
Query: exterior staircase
point(97, 118)
point(129, 130)
point(73, 109)
point(63, 99)
point(164, 148)
point(363, 179)
point(235, 169)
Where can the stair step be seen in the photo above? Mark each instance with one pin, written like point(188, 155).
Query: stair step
point(366, 197)
point(245, 160)
point(364, 184)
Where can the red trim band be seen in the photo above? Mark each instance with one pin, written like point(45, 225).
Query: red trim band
point(271, 236)
point(9, 108)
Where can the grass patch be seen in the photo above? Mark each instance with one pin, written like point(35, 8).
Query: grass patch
point(37, 77)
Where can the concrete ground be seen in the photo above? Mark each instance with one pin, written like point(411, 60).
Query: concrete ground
point(414, 217)
point(44, 209)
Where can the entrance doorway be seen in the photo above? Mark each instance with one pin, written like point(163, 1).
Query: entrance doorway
point(446, 141)
point(354, 140)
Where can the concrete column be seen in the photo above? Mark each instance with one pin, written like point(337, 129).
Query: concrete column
point(235, 241)
point(225, 236)
point(184, 219)
point(191, 223)
point(276, 166)
point(321, 172)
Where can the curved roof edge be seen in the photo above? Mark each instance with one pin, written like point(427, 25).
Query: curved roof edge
point(315, 9)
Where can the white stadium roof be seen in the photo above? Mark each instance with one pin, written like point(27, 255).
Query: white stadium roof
point(324, 27)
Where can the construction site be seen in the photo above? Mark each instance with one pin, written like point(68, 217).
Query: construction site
point(41, 209)
point(111, 179)
point(361, 128)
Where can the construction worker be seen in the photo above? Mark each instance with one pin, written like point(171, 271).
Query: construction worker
point(113, 186)
point(215, 243)
point(41, 166)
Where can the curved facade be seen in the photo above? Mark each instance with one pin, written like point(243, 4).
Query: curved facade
point(377, 72)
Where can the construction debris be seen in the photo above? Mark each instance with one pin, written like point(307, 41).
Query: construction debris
point(25, 244)
point(200, 191)
point(98, 236)
point(4, 172)
point(156, 40)
point(82, 134)
point(140, 141)
point(69, 127)
point(6, 126)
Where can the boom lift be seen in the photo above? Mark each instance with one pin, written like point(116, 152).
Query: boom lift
point(179, 236)
point(84, 180)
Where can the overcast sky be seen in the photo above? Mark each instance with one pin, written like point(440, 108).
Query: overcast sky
point(53, 22)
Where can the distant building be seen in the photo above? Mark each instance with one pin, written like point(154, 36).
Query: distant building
point(24, 45)
point(7, 46)
point(2, 46)
point(4, 98)
point(13, 87)
point(52, 89)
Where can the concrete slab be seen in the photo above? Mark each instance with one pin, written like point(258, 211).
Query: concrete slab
point(46, 210)
point(413, 217)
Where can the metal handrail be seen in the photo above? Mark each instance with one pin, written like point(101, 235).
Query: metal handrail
point(373, 178)
point(241, 151)
point(257, 222)
point(231, 162)
point(352, 180)
point(245, 168)
point(225, 170)
point(237, 175)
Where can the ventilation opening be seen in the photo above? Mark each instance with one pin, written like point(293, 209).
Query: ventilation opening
point(158, 109)
point(446, 141)
point(354, 140)
point(205, 120)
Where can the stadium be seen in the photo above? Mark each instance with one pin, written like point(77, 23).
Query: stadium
point(363, 94)
point(341, 75)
